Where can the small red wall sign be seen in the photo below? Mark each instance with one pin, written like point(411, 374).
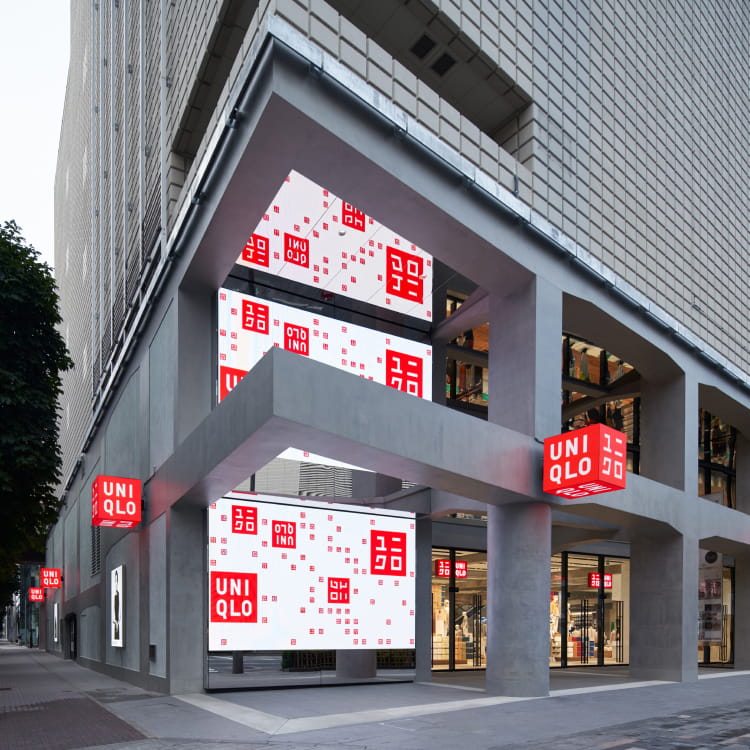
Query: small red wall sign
point(595, 579)
point(50, 578)
point(585, 462)
point(36, 594)
point(116, 502)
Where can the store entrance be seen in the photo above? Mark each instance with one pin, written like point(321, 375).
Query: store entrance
point(459, 597)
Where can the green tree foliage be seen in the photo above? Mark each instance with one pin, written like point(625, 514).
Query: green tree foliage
point(32, 357)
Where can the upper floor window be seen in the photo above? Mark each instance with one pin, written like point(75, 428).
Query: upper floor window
point(717, 442)
point(600, 387)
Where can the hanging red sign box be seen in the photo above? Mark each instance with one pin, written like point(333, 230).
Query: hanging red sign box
point(116, 502)
point(36, 594)
point(585, 462)
point(50, 578)
point(595, 579)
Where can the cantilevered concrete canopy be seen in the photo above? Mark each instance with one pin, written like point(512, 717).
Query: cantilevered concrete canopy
point(288, 400)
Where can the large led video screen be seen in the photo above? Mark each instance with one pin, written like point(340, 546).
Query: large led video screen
point(289, 574)
point(311, 236)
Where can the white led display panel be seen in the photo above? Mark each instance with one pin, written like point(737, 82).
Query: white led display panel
point(304, 574)
point(249, 327)
point(310, 236)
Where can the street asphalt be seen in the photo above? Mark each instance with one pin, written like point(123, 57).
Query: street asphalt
point(47, 703)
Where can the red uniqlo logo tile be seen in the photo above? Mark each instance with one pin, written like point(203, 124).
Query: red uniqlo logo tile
point(387, 553)
point(228, 379)
point(284, 534)
point(256, 250)
point(461, 569)
point(585, 462)
point(403, 372)
point(443, 568)
point(116, 502)
point(404, 275)
point(595, 580)
point(254, 316)
point(296, 250)
point(352, 217)
point(338, 591)
point(297, 339)
point(36, 594)
point(50, 578)
point(234, 597)
point(244, 519)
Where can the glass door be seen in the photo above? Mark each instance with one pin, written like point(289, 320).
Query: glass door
point(459, 596)
point(583, 615)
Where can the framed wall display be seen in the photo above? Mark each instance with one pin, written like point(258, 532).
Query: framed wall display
point(117, 608)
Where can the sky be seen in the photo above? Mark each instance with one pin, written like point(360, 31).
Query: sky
point(34, 58)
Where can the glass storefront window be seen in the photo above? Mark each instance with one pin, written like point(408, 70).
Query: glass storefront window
point(555, 611)
point(591, 378)
point(716, 459)
point(714, 610)
point(459, 599)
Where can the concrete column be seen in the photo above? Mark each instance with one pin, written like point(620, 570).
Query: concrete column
point(185, 591)
point(524, 359)
point(742, 612)
point(423, 603)
point(663, 606)
point(518, 579)
point(669, 432)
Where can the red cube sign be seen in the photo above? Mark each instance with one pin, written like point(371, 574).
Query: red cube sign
point(595, 580)
point(36, 594)
point(116, 502)
point(585, 462)
point(50, 578)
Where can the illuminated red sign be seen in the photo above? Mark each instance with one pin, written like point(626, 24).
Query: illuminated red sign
point(36, 594)
point(585, 462)
point(254, 316)
point(403, 372)
point(595, 580)
point(50, 578)
point(443, 569)
point(116, 502)
point(297, 339)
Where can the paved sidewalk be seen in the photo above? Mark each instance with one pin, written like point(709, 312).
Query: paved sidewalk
point(48, 703)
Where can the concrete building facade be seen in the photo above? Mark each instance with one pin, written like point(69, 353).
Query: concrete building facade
point(574, 177)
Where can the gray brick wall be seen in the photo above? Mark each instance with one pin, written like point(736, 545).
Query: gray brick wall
point(634, 143)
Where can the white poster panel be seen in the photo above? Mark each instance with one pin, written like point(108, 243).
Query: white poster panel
point(250, 326)
point(304, 574)
point(55, 623)
point(117, 601)
point(310, 236)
